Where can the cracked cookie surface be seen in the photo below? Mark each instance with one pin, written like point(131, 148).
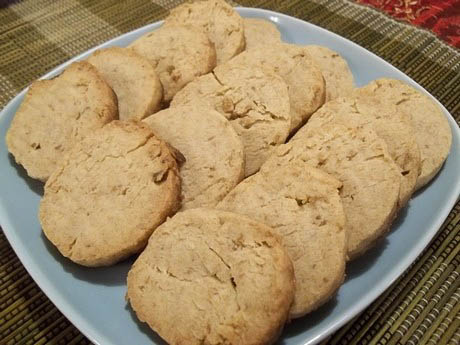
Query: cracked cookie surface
point(214, 157)
point(179, 54)
point(109, 193)
point(222, 24)
point(254, 100)
point(432, 131)
point(133, 79)
point(303, 206)
point(302, 75)
point(57, 113)
point(388, 124)
point(260, 32)
point(358, 158)
point(229, 276)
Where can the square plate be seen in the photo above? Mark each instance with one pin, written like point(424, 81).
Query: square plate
point(93, 299)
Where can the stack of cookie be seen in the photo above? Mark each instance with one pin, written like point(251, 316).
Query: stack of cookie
point(274, 169)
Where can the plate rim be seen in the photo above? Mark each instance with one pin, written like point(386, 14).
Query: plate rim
point(92, 333)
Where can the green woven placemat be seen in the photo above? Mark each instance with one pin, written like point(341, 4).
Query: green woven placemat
point(422, 307)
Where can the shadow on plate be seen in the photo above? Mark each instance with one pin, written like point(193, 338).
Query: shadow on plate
point(35, 186)
point(399, 221)
point(300, 325)
point(107, 276)
point(144, 328)
point(363, 263)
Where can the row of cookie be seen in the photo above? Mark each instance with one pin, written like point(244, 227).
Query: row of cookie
point(320, 220)
point(369, 145)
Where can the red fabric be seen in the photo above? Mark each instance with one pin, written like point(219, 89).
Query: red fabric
point(441, 17)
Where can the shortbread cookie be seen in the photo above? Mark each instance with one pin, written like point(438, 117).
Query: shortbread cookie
point(222, 24)
point(386, 122)
point(212, 149)
point(432, 130)
point(255, 101)
point(335, 70)
point(303, 77)
point(57, 113)
point(179, 55)
point(133, 78)
point(358, 158)
point(260, 32)
point(212, 277)
point(302, 204)
point(109, 193)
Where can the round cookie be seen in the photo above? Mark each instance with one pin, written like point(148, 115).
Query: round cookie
point(432, 130)
point(222, 24)
point(357, 157)
point(179, 54)
point(392, 128)
point(260, 32)
point(224, 278)
point(303, 206)
point(109, 193)
point(255, 101)
point(303, 77)
point(57, 113)
point(133, 79)
point(214, 157)
point(335, 70)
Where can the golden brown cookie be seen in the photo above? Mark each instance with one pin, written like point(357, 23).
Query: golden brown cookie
point(432, 130)
point(260, 32)
point(254, 100)
point(214, 157)
point(133, 78)
point(109, 193)
point(179, 54)
point(212, 277)
point(388, 125)
point(57, 113)
point(293, 63)
point(303, 206)
point(335, 70)
point(222, 24)
point(357, 157)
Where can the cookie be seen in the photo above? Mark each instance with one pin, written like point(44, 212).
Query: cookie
point(432, 130)
point(358, 158)
point(57, 113)
point(335, 70)
point(224, 278)
point(388, 125)
point(179, 54)
point(213, 152)
point(293, 63)
point(222, 24)
point(133, 79)
point(260, 32)
point(255, 101)
point(303, 206)
point(109, 193)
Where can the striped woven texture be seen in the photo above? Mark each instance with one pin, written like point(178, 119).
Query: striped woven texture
point(422, 307)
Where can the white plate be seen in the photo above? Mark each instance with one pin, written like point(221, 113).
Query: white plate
point(93, 299)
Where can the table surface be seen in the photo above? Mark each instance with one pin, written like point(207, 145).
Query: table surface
point(422, 307)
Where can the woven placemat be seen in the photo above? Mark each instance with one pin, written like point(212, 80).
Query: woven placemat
point(422, 307)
